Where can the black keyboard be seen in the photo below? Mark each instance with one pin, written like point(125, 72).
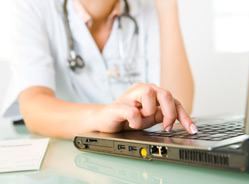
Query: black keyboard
point(209, 132)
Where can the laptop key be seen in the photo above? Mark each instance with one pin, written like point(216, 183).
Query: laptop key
point(204, 138)
point(218, 138)
point(241, 133)
point(218, 135)
point(238, 134)
point(192, 137)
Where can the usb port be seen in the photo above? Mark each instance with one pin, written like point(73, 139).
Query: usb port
point(120, 147)
point(132, 148)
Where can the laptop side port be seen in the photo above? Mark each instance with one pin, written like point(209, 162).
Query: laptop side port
point(79, 142)
point(86, 146)
point(154, 151)
point(91, 140)
point(164, 151)
point(121, 147)
point(159, 151)
point(132, 148)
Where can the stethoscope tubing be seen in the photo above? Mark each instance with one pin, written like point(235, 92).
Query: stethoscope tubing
point(76, 62)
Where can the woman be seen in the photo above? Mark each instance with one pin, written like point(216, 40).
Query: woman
point(118, 87)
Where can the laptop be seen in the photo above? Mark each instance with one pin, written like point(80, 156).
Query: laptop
point(220, 144)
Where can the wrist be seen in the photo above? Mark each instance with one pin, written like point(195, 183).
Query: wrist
point(97, 117)
point(90, 117)
point(164, 6)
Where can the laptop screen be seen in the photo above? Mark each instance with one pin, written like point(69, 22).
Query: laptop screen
point(246, 131)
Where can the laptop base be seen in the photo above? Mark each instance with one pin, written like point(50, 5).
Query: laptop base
point(232, 157)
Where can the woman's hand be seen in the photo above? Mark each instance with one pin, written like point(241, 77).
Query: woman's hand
point(140, 107)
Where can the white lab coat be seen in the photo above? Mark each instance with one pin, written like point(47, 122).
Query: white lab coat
point(40, 52)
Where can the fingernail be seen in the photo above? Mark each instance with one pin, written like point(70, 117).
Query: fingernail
point(168, 129)
point(193, 129)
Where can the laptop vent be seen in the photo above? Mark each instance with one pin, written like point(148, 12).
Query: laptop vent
point(204, 157)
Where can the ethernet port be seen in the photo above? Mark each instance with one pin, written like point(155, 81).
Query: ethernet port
point(164, 151)
point(154, 150)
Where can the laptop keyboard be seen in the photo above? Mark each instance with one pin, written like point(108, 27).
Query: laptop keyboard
point(209, 132)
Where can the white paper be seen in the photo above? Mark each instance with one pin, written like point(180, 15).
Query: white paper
point(22, 155)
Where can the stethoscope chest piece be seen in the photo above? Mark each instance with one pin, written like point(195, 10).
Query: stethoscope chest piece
point(75, 61)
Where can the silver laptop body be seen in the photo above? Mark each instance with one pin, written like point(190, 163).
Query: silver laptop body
point(219, 143)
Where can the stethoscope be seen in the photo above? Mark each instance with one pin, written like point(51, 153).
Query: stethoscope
point(76, 62)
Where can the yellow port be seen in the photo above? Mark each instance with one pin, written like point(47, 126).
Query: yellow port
point(143, 152)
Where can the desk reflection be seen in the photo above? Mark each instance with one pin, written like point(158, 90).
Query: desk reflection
point(64, 164)
point(123, 170)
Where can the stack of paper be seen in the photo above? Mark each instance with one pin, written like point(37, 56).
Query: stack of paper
point(22, 155)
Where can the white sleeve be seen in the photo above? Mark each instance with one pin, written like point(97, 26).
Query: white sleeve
point(152, 42)
point(32, 63)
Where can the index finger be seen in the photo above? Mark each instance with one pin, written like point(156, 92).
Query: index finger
point(181, 114)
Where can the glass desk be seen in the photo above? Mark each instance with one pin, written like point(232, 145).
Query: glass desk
point(64, 164)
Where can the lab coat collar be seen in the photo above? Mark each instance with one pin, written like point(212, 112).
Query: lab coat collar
point(134, 7)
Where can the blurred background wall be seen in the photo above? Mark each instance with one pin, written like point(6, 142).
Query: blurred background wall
point(216, 35)
point(5, 52)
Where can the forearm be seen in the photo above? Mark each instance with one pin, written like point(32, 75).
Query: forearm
point(46, 115)
point(175, 70)
point(136, 109)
